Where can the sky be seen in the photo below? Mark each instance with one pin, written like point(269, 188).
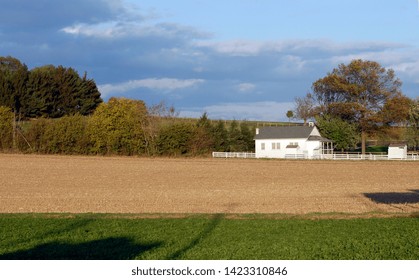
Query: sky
point(233, 59)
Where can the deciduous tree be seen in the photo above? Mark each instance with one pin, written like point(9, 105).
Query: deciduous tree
point(412, 132)
point(290, 115)
point(343, 134)
point(358, 93)
point(304, 107)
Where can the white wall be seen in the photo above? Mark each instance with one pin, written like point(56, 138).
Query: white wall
point(397, 152)
point(311, 146)
point(304, 147)
point(315, 132)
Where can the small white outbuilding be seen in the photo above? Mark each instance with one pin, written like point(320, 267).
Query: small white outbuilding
point(397, 151)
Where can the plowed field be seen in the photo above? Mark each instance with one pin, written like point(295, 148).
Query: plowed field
point(31, 183)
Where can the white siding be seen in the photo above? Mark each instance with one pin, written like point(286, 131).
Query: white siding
point(315, 132)
point(304, 147)
point(397, 152)
point(311, 146)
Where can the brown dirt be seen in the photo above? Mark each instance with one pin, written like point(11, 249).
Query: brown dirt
point(56, 184)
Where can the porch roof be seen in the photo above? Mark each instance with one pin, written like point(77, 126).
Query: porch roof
point(318, 138)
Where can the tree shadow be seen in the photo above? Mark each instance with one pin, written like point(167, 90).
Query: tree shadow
point(199, 238)
point(120, 248)
point(58, 230)
point(411, 197)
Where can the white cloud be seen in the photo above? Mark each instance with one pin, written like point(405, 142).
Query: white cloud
point(245, 87)
point(253, 48)
point(408, 69)
point(164, 84)
point(260, 111)
point(291, 64)
point(133, 29)
point(235, 48)
point(104, 30)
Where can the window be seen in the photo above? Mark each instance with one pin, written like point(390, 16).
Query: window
point(262, 146)
point(276, 146)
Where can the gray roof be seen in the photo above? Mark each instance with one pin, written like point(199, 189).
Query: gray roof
point(284, 132)
point(292, 146)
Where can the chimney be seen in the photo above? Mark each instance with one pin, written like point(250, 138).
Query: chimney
point(257, 131)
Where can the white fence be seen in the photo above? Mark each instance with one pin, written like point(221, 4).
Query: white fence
point(347, 156)
point(296, 156)
point(352, 157)
point(233, 155)
point(363, 157)
point(413, 157)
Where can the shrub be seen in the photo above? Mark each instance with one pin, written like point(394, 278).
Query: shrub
point(36, 135)
point(66, 136)
point(6, 128)
point(116, 127)
point(173, 140)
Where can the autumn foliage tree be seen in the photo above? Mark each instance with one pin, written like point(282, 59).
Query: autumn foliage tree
point(412, 132)
point(363, 93)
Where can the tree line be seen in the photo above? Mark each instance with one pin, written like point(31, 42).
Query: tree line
point(67, 114)
point(124, 127)
point(47, 91)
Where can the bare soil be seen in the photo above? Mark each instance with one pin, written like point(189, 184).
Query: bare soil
point(74, 184)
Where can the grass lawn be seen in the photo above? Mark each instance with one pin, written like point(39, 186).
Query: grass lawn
point(89, 236)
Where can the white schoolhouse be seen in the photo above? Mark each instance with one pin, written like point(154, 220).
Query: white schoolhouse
point(291, 142)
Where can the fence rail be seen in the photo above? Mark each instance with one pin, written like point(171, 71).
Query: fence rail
point(347, 156)
point(363, 157)
point(352, 157)
point(295, 156)
point(233, 155)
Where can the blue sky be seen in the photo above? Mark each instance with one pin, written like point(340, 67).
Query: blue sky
point(234, 59)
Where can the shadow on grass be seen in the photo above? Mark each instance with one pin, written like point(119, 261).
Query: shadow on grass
point(395, 198)
point(198, 239)
point(43, 232)
point(104, 249)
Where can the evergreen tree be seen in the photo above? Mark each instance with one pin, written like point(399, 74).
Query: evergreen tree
point(236, 142)
point(46, 91)
point(202, 141)
point(13, 79)
point(247, 136)
point(221, 139)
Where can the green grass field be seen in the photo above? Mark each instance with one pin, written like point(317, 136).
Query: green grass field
point(25, 236)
